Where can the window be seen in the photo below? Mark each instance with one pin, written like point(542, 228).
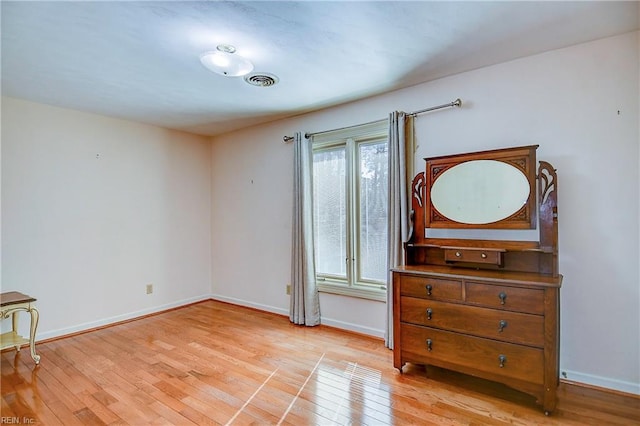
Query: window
point(350, 196)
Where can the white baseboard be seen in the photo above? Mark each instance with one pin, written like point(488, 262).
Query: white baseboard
point(325, 321)
point(601, 382)
point(353, 327)
point(118, 318)
point(248, 304)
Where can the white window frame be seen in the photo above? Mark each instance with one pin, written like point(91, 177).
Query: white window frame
point(351, 138)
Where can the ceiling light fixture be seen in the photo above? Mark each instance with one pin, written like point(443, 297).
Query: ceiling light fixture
point(225, 61)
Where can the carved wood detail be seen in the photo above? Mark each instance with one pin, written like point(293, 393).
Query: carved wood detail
point(418, 188)
point(416, 218)
point(548, 195)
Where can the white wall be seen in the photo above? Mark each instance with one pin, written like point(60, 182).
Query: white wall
point(251, 218)
point(85, 235)
point(567, 101)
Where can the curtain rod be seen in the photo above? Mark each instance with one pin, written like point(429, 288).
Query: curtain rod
point(456, 103)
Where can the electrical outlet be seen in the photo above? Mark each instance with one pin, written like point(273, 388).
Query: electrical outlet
point(149, 288)
point(288, 288)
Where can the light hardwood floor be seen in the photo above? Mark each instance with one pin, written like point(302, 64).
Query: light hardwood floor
point(215, 363)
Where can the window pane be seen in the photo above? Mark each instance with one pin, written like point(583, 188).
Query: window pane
point(330, 212)
point(373, 193)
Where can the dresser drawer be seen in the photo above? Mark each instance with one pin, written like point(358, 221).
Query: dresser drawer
point(503, 297)
point(496, 324)
point(428, 345)
point(492, 257)
point(430, 288)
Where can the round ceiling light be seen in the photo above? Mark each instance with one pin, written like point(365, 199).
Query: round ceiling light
point(224, 61)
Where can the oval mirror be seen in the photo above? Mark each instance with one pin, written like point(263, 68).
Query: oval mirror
point(480, 192)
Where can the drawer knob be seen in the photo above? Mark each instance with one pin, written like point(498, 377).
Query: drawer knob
point(502, 360)
point(429, 287)
point(503, 297)
point(501, 325)
point(458, 254)
point(429, 312)
point(429, 343)
point(483, 255)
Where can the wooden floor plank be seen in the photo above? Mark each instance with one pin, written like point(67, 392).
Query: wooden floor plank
point(216, 363)
point(166, 415)
point(100, 410)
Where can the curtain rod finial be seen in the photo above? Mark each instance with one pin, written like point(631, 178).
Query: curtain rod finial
point(457, 103)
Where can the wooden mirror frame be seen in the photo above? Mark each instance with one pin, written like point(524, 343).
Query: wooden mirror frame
point(525, 256)
point(522, 159)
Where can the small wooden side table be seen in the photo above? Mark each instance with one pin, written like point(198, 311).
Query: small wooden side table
point(11, 303)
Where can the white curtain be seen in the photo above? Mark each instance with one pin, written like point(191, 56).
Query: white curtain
point(305, 301)
point(400, 170)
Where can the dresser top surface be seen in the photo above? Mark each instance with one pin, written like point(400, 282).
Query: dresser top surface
point(499, 276)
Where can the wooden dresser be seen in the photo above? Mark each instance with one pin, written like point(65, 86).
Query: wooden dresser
point(489, 308)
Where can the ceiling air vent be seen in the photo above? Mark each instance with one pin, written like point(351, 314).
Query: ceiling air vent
point(261, 80)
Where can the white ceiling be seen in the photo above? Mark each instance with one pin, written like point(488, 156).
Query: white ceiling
point(140, 60)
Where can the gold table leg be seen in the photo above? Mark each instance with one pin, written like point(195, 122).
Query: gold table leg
point(35, 317)
point(14, 326)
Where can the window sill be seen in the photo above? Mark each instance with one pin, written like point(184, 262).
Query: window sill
point(361, 293)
